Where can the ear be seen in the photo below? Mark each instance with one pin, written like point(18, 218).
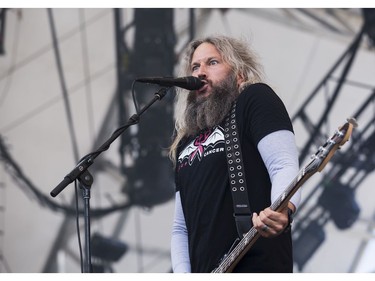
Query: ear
point(240, 79)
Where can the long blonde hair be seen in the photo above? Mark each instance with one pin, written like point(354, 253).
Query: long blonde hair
point(240, 58)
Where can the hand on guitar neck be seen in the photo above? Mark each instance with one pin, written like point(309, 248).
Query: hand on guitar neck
point(271, 223)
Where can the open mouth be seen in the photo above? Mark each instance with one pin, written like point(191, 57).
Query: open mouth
point(203, 89)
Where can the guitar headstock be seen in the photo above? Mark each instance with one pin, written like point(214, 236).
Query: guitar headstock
point(326, 151)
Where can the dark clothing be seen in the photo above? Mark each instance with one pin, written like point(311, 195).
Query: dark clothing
point(202, 179)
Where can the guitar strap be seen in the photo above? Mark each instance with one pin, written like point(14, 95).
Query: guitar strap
point(238, 187)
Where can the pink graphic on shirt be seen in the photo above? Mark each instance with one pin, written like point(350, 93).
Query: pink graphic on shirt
point(196, 149)
point(198, 143)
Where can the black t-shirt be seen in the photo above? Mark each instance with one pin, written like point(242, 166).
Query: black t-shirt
point(202, 179)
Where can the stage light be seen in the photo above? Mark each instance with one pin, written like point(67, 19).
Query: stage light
point(307, 243)
point(107, 249)
point(339, 201)
point(369, 18)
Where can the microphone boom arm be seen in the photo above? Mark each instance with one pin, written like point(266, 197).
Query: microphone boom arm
point(88, 160)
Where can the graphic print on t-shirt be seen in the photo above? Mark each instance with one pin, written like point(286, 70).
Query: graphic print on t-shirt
point(204, 144)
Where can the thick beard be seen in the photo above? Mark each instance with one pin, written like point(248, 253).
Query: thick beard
point(207, 112)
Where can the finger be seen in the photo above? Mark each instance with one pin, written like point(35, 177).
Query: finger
point(255, 220)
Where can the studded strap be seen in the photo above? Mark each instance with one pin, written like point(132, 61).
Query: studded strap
point(242, 211)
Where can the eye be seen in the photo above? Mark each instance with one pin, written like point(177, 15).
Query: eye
point(194, 68)
point(213, 62)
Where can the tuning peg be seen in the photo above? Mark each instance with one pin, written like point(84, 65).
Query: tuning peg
point(352, 121)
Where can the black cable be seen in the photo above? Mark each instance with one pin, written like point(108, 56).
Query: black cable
point(87, 79)
point(138, 238)
point(134, 98)
point(77, 226)
point(68, 114)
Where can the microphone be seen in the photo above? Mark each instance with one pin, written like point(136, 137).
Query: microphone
point(189, 83)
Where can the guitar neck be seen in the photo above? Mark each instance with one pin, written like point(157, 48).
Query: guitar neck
point(281, 202)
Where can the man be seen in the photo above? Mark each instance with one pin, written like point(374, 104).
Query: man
point(204, 227)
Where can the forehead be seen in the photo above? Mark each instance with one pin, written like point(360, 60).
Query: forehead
point(205, 51)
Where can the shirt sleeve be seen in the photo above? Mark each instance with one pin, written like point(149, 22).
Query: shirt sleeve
point(179, 242)
point(280, 155)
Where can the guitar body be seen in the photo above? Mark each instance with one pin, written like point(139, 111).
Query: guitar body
point(318, 162)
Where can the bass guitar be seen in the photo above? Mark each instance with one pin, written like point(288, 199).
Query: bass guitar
point(317, 163)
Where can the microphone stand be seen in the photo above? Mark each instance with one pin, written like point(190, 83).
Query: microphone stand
point(81, 173)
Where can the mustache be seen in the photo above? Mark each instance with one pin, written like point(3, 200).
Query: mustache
point(208, 111)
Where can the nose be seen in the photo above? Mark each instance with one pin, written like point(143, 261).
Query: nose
point(201, 72)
